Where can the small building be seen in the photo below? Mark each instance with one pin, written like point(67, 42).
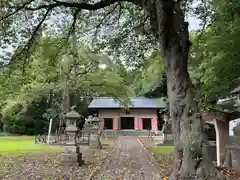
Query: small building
point(142, 114)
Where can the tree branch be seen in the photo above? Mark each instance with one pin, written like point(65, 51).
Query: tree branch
point(27, 47)
point(86, 6)
point(96, 85)
point(205, 16)
point(87, 70)
point(102, 20)
point(162, 21)
point(17, 9)
point(71, 31)
point(120, 11)
point(72, 28)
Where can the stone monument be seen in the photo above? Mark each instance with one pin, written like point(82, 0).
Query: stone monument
point(167, 130)
point(71, 154)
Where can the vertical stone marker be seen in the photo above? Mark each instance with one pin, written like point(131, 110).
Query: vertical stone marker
point(167, 131)
point(71, 154)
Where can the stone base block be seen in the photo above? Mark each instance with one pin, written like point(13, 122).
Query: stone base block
point(168, 137)
point(158, 140)
point(94, 141)
point(71, 149)
point(95, 144)
point(71, 159)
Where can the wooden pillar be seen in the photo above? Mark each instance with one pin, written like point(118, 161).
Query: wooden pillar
point(154, 124)
point(140, 124)
point(222, 138)
point(136, 123)
point(116, 123)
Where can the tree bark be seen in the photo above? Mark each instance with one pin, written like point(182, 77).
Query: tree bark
point(191, 160)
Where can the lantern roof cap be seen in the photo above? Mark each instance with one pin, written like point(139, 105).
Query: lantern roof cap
point(73, 114)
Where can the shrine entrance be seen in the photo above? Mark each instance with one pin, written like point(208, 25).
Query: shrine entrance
point(147, 123)
point(108, 123)
point(127, 123)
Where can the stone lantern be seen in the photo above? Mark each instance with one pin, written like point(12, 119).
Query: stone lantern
point(72, 153)
point(95, 136)
point(95, 121)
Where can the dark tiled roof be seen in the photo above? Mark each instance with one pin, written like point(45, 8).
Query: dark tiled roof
point(137, 102)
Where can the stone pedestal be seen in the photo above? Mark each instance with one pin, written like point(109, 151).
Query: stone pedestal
point(86, 132)
point(167, 134)
point(71, 149)
point(95, 141)
point(167, 129)
point(87, 127)
point(72, 159)
point(168, 137)
point(71, 154)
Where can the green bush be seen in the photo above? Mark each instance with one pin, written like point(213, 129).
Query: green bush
point(23, 124)
point(3, 134)
point(28, 120)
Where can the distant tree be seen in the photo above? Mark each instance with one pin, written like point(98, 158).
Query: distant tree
point(39, 92)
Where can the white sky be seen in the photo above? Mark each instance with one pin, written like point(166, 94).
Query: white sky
point(194, 23)
point(232, 124)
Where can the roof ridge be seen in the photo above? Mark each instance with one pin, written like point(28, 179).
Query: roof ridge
point(138, 102)
point(140, 97)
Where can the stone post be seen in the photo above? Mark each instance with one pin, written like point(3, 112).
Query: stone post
point(222, 139)
point(71, 154)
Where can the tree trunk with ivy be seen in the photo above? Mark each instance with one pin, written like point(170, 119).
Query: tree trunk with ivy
point(191, 159)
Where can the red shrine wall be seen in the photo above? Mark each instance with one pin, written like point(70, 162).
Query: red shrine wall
point(139, 116)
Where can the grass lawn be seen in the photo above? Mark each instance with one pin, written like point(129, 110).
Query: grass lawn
point(162, 150)
point(163, 154)
point(23, 144)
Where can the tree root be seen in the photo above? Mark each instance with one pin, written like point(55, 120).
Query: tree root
point(192, 161)
point(215, 175)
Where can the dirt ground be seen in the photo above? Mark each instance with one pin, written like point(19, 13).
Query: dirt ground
point(129, 161)
point(164, 164)
point(46, 165)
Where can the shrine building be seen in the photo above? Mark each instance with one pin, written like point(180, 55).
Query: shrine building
point(142, 114)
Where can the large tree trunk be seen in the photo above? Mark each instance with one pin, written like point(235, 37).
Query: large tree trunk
point(191, 160)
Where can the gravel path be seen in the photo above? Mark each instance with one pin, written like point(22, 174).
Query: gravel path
point(128, 161)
